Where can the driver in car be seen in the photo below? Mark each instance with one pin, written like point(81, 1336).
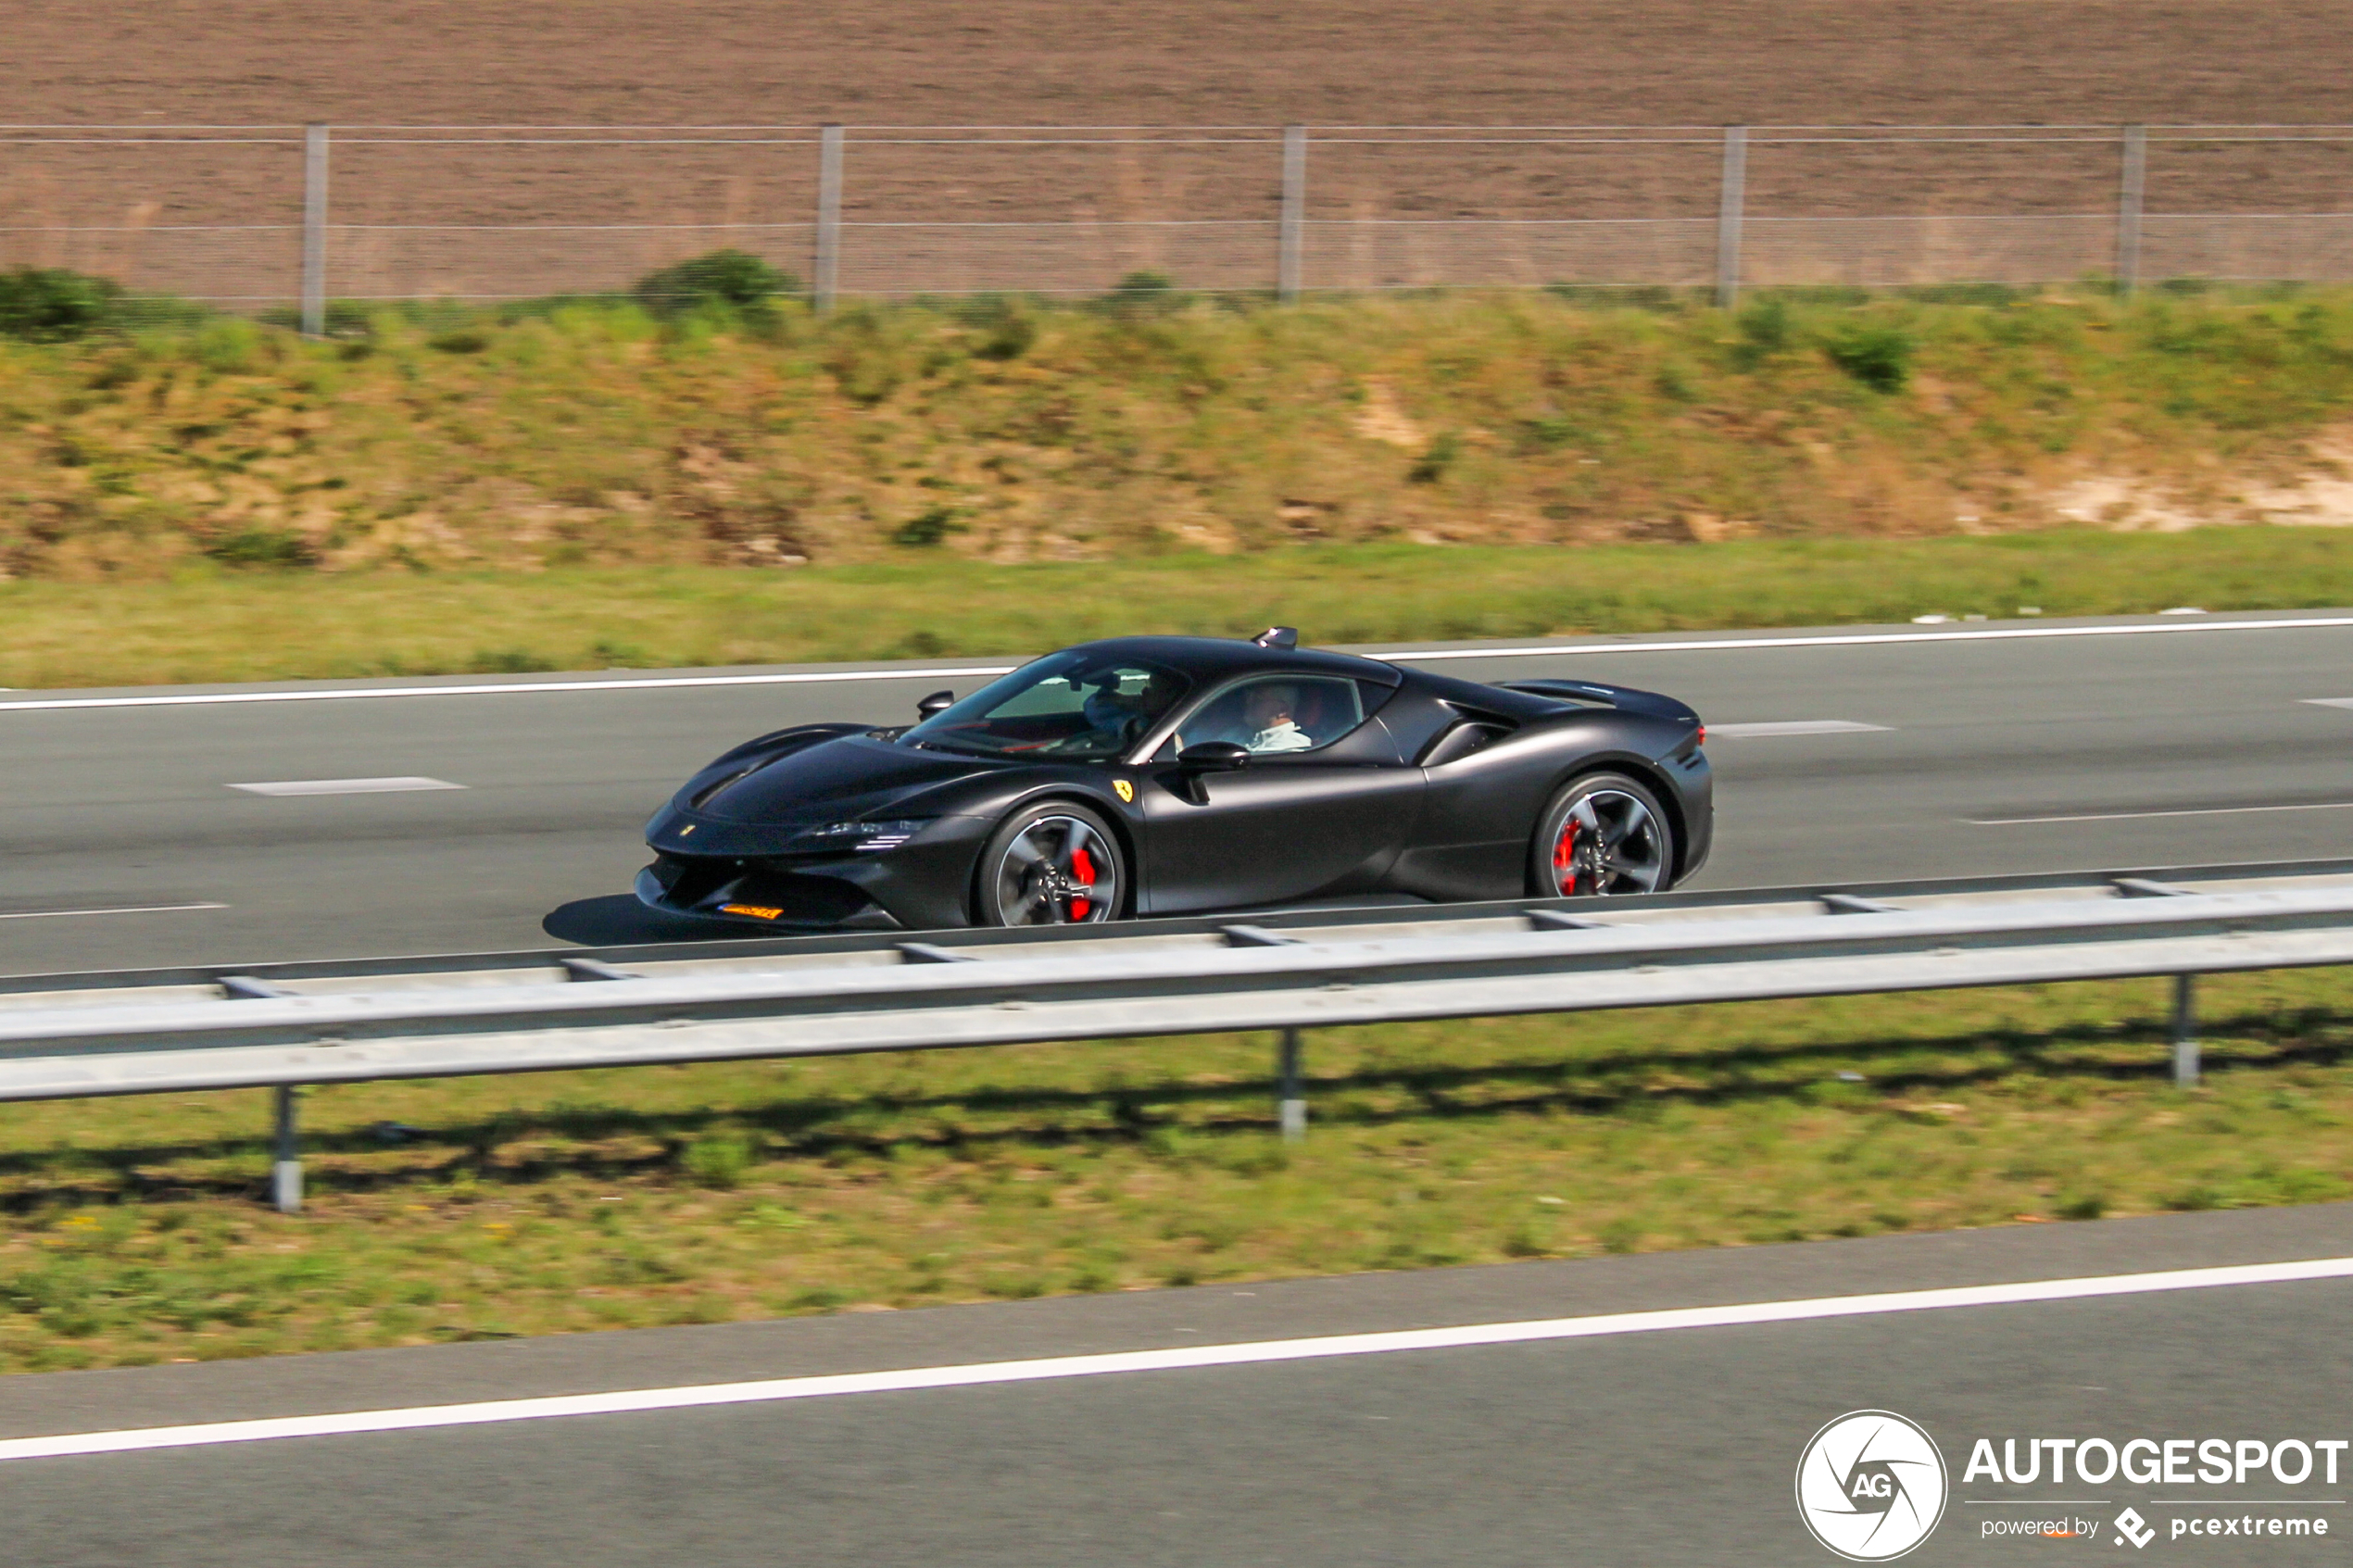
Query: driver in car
point(1125, 715)
point(1267, 712)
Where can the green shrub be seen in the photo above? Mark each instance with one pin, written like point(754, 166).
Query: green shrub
point(732, 278)
point(925, 528)
point(1008, 326)
point(263, 547)
point(508, 661)
point(52, 304)
point(1547, 433)
point(1436, 458)
point(1674, 382)
point(1765, 331)
point(718, 1162)
point(1877, 353)
point(1144, 292)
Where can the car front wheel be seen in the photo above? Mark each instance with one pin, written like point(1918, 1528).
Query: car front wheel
point(1604, 834)
point(1050, 864)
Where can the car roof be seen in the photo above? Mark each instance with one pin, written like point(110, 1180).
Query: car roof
point(1214, 659)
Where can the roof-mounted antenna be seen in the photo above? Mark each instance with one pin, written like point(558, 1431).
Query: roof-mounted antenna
point(1278, 637)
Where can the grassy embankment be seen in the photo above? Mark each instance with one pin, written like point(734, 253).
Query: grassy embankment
point(129, 1231)
point(226, 500)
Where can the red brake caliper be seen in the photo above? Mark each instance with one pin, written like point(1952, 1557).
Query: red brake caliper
point(1082, 866)
point(1565, 858)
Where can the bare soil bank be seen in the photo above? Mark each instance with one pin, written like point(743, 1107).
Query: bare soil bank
point(1206, 62)
point(1213, 62)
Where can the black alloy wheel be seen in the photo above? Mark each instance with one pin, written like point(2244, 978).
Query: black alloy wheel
point(1051, 864)
point(1603, 835)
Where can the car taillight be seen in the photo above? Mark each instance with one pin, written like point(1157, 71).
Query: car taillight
point(1700, 739)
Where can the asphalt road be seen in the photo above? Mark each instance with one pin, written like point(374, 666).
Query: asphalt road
point(109, 808)
point(1673, 1447)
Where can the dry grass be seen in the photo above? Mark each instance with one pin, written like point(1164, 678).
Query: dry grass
point(490, 1206)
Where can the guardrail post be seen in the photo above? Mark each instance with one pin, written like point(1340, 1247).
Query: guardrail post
point(285, 1170)
point(1293, 1110)
point(1290, 259)
point(2128, 207)
point(1729, 211)
point(2185, 1031)
point(314, 230)
point(829, 263)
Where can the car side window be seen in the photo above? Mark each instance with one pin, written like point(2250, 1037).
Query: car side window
point(1275, 715)
point(1065, 707)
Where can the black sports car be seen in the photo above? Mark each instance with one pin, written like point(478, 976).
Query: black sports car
point(1174, 775)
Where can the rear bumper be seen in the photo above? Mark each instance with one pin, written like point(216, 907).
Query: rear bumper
point(1694, 783)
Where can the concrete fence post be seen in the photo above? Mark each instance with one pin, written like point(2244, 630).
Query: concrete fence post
point(1732, 199)
point(1293, 1108)
point(314, 230)
point(2185, 1031)
point(828, 261)
point(1289, 258)
point(2132, 191)
point(286, 1168)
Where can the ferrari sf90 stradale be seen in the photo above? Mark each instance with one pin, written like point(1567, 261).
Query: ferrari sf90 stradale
point(1176, 775)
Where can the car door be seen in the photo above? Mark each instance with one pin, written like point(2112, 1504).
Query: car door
point(1323, 818)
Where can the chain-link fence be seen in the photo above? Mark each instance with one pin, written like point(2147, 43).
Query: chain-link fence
point(257, 217)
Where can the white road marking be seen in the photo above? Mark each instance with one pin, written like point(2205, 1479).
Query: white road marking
point(1794, 727)
point(116, 910)
point(2329, 701)
point(346, 786)
point(1178, 1359)
point(1704, 644)
point(338, 694)
point(1985, 635)
point(2131, 816)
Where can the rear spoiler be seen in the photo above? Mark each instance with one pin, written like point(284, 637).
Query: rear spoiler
point(1593, 694)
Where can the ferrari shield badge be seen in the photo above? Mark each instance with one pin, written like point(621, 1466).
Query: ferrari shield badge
point(1125, 791)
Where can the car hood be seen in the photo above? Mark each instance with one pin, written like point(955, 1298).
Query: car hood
point(851, 776)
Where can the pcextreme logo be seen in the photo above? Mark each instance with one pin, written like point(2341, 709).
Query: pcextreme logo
point(1871, 1485)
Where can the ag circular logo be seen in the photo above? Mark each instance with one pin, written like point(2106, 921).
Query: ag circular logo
point(1871, 1485)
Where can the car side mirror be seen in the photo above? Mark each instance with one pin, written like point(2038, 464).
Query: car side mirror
point(938, 702)
point(1213, 756)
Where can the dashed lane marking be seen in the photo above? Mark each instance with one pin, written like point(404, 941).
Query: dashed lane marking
point(347, 786)
point(2135, 816)
point(1793, 727)
point(109, 910)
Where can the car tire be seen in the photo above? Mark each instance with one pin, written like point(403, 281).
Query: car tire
point(1601, 834)
point(1054, 863)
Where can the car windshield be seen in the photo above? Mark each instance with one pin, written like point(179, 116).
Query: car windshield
point(1074, 707)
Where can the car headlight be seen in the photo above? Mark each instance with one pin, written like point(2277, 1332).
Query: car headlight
point(865, 837)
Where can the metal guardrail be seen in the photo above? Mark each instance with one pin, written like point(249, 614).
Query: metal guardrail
point(284, 1026)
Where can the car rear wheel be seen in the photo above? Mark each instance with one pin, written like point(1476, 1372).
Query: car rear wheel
point(1050, 864)
point(1604, 834)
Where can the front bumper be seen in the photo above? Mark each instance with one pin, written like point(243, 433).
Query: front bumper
point(922, 885)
